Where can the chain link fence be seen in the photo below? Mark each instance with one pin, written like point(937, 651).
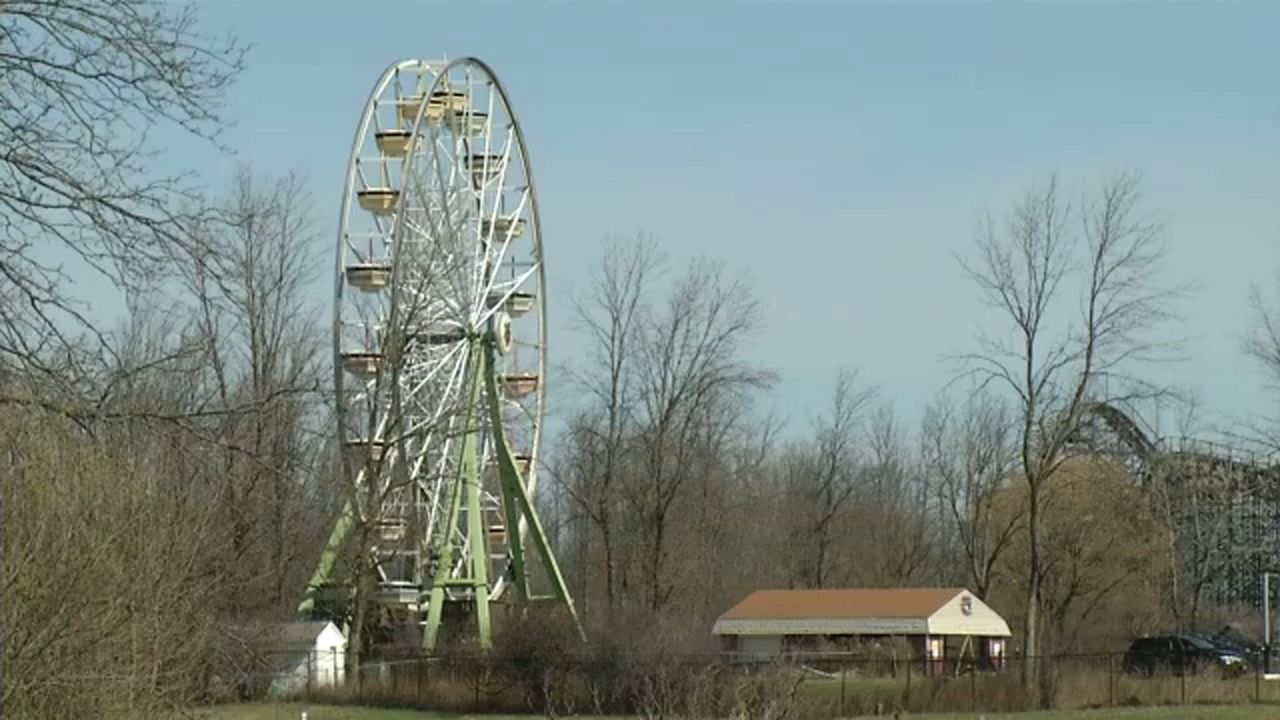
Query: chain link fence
point(726, 685)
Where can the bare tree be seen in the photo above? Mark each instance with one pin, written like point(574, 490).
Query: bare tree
point(259, 351)
point(664, 450)
point(107, 585)
point(893, 527)
point(1264, 342)
point(610, 317)
point(970, 457)
point(823, 475)
point(84, 84)
point(1103, 261)
point(1263, 345)
point(692, 388)
point(724, 512)
point(1102, 554)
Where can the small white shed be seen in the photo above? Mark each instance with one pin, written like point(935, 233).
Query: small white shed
point(308, 655)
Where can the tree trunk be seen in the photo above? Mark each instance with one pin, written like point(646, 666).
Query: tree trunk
point(360, 600)
point(1031, 621)
point(606, 542)
point(819, 571)
point(655, 563)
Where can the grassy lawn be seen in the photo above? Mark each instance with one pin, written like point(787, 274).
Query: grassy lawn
point(829, 688)
point(1182, 712)
point(1196, 698)
point(293, 711)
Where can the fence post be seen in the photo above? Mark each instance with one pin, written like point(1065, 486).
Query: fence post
point(418, 695)
point(973, 688)
point(842, 672)
point(1182, 681)
point(310, 672)
point(1257, 683)
point(1111, 679)
point(906, 699)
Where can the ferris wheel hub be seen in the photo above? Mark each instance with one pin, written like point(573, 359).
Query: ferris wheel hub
point(502, 336)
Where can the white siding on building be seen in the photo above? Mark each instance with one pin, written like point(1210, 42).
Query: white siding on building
point(330, 657)
point(981, 620)
point(319, 663)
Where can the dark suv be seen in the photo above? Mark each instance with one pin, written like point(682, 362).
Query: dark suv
point(1181, 654)
point(1253, 652)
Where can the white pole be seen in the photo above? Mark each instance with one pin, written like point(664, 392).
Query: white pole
point(1266, 622)
point(1266, 607)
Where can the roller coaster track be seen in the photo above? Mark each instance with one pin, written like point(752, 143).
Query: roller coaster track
point(1223, 500)
point(1134, 443)
point(1126, 430)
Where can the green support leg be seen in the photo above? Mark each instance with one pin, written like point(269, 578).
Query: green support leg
point(517, 507)
point(515, 544)
point(435, 608)
point(477, 539)
point(469, 483)
point(510, 505)
point(328, 557)
point(513, 485)
point(446, 546)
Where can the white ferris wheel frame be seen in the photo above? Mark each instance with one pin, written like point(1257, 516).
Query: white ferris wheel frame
point(411, 378)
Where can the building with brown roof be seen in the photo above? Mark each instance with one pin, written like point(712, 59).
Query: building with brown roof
point(937, 623)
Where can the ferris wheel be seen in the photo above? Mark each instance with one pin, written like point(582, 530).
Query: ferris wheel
point(440, 349)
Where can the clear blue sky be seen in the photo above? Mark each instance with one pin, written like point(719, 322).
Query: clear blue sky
point(838, 152)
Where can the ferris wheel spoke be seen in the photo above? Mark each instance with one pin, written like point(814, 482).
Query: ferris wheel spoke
point(451, 387)
point(476, 252)
point(421, 235)
point(432, 416)
point(449, 183)
point(425, 296)
point(500, 181)
point(435, 233)
point(467, 154)
point(426, 184)
point(489, 308)
point(456, 152)
point(511, 226)
point(485, 264)
point(441, 364)
point(488, 136)
point(493, 170)
point(440, 480)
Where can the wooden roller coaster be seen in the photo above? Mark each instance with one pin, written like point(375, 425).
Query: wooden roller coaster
point(1221, 502)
